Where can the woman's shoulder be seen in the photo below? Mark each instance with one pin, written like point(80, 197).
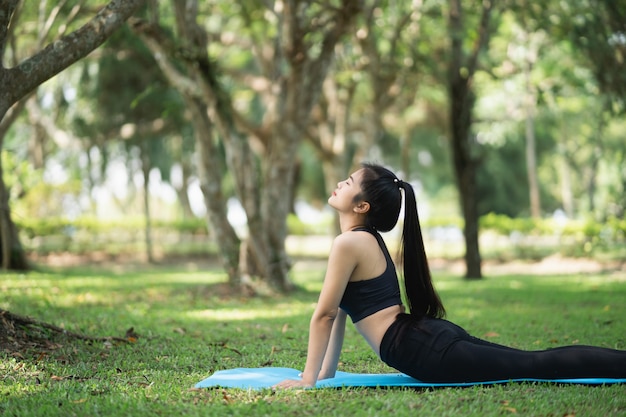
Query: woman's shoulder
point(354, 241)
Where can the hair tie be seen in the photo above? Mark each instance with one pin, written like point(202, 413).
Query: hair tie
point(399, 182)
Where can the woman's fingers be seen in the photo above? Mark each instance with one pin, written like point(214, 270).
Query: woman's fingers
point(291, 383)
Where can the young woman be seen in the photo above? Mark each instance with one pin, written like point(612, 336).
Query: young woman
point(361, 282)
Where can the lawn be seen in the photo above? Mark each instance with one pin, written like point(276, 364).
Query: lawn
point(186, 326)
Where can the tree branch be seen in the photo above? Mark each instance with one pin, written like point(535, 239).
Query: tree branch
point(483, 36)
point(7, 8)
point(318, 68)
point(162, 48)
point(27, 321)
point(60, 54)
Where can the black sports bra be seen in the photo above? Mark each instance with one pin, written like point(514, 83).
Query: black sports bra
point(366, 297)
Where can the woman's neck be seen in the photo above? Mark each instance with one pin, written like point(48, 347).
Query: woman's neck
point(350, 223)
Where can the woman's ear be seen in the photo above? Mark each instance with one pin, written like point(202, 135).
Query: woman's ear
point(362, 207)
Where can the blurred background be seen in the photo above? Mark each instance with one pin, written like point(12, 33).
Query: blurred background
point(217, 130)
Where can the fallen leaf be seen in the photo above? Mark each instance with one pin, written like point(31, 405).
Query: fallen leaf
point(227, 397)
point(130, 334)
point(491, 334)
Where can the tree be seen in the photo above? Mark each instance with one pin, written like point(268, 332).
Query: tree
point(598, 29)
point(593, 35)
point(292, 47)
point(462, 66)
point(366, 96)
point(134, 102)
point(17, 82)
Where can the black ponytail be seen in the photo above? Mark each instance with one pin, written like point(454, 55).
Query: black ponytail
point(381, 188)
point(422, 298)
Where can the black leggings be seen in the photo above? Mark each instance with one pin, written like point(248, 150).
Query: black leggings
point(436, 350)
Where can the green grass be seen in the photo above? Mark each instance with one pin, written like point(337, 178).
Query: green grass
point(188, 328)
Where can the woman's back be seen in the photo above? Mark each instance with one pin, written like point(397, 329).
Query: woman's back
point(372, 297)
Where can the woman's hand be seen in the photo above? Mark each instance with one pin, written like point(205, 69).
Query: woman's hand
point(293, 383)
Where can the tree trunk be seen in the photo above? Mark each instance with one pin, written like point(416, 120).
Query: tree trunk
point(263, 181)
point(531, 151)
point(18, 82)
point(210, 174)
point(567, 195)
point(461, 70)
point(182, 189)
point(13, 256)
point(278, 186)
point(465, 172)
point(145, 168)
point(594, 164)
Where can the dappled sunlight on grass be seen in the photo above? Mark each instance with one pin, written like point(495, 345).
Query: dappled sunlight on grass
point(536, 312)
point(189, 324)
point(107, 290)
point(254, 313)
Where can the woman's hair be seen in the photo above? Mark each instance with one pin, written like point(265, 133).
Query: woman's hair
point(381, 189)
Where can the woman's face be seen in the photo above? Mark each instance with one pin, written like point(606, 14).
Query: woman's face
point(343, 196)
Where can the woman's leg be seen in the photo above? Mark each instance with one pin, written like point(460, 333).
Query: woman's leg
point(444, 352)
point(466, 360)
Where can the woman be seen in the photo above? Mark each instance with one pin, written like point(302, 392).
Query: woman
point(361, 282)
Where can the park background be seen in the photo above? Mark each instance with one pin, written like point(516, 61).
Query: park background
point(207, 136)
point(234, 123)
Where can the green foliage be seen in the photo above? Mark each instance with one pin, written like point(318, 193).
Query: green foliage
point(504, 238)
point(502, 180)
point(297, 227)
point(579, 141)
point(596, 28)
point(190, 325)
point(43, 227)
point(91, 225)
point(125, 237)
point(506, 225)
point(311, 186)
point(612, 230)
point(49, 226)
point(20, 177)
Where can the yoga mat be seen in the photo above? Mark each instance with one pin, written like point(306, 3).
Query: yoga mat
point(259, 378)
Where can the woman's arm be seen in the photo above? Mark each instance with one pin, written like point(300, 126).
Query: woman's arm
point(341, 263)
point(331, 360)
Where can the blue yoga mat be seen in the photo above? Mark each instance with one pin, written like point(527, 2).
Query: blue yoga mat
point(259, 378)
